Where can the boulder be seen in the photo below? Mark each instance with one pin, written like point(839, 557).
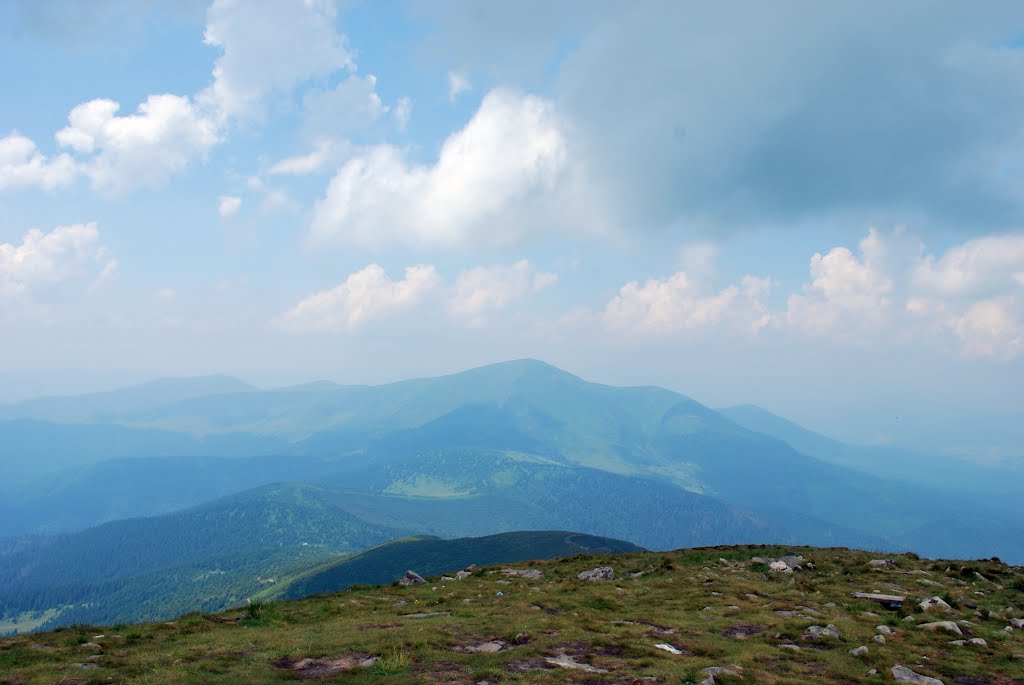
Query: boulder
point(881, 563)
point(1017, 623)
point(880, 639)
point(902, 674)
point(884, 630)
point(462, 575)
point(528, 573)
point(599, 573)
point(935, 604)
point(947, 626)
point(979, 642)
point(861, 651)
point(411, 578)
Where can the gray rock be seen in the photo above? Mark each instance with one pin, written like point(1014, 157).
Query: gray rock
point(859, 651)
point(881, 563)
point(528, 573)
point(411, 578)
point(599, 573)
point(935, 604)
point(957, 643)
point(462, 575)
point(902, 674)
point(909, 619)
point(885, 630)
point(817, 632)
point(1017, 623)
point(880, 639)
point(978, 641)
point(947, 626)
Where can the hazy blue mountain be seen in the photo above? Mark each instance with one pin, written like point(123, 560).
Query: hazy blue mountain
point(430, 556)
point(941, 472)
point(104, 406)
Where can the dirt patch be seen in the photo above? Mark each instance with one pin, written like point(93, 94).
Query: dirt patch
point(379, 626)
point(970, 680)
point(445, 672)
point(741, 631)
point(323, 667)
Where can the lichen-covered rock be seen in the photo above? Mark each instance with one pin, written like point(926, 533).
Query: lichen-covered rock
point(599, 573)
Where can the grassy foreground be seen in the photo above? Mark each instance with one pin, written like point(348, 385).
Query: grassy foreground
point(713, 606)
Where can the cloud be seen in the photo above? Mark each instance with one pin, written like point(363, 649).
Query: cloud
point(481, 289)
point(402, 113)
point(846, 294)
point(269, 46)
point(512, 149)
point(42, 261)
point(325, 151)
point(773, 115)
point(350, 106)
point(141, 149)
point(364, 296)
point(992, 328)
point(977, 267)
point(23, 166)
point(458, 83)
point(228, 204)
point(680, 303)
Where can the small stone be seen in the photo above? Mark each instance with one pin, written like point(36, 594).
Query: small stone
point(935, 604)
point(881, 563)
point(795, 648)
point(909, 619)
point(873, 671)
point(978, 641)
point(902, 674)
point(411, 578)
point(885, 630)
point(668, 648)
point(861, 651)
point(880, 639)
point(1017, 623)
point(957, 643)
point(817, 632)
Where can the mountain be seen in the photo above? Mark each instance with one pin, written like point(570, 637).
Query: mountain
point(208, 557)
point(665, 617)
point(101, 406)
point(433, 556)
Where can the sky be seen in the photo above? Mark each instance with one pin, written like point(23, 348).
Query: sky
point(813, 207)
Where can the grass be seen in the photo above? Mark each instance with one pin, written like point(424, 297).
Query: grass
point(695, 600)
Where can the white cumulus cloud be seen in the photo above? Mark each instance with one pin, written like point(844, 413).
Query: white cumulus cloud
point(482, 289)
point(366, 295)
point(977, 267)
point(141, 149)
point(512, 148)
point(44, 260)
point(269, 46)
point(350, 106)
point(458, 83)
point(22, 165)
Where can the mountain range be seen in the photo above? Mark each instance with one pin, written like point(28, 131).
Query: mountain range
point(191, 493)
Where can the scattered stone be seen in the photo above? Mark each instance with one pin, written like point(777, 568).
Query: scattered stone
point(935, 604)
point(89, 645)
point(902, 674)
point(486, 647)
point(957, 643)
point(1017, 623)
point(741, 631)
point(668, 648)
point(599, 573)
point(873, 671)
point(885, 630)
point(978, 641)
point(880, 639)
point(794, 648)
point(1008, 629)
point(888, 601)
point(324, 667)
point(565, 661)
point(425, 614)
point(411, 578)
point(860, 651)
point(818, 632)
point(909, 619)
point(947, 626)
point(881, 563)
point(528, 573)
point(713, 672)
point(462, 575)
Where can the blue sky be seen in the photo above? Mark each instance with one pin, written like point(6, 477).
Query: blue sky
point(812, 207)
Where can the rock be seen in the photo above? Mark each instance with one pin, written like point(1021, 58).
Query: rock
point(793, 562)
point(599, 573)
point(566, 661)
point(880, 639)
point(935, 604)
point(885, 630)
point(881, 563)
point(83, 665)
point(487, 647)
point(668, 648)
point(817, 632)
point(947, 626)
point(909, 619)
point(411, 578)
point(873, 671)
point(978, 641)
point(1008, 629)
point(89, 645)
point(860, 651)
point(780, 567)
point(902, 674)
point(426, 614)
point(1017, 623)
point(957, 643)
point(529, 573)
point(462, 575)
point(795, 648)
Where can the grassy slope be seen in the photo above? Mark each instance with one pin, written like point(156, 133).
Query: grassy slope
point(695, 600)
point(432, 556)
